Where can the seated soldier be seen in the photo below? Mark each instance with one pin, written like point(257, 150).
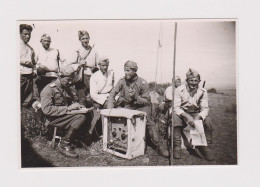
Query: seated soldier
point(101, 84)
point(190, 104)
point(134, 94)
point(57, 100)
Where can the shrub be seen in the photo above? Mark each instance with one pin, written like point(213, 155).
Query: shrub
point(212, 90)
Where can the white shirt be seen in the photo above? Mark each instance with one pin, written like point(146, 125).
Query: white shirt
point(184, 102)
point(101, 85)
point(27, 60)
point(48, 58)
point(90, 58)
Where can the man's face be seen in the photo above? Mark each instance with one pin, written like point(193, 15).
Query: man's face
point(103, 68)
point(193, 83)
point(129, 73)
point(46, 42)
point(84, 40)
point(177, 83)
point(66, 81)
point(25, 36)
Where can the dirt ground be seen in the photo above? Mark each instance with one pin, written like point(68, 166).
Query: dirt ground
point(36, 151)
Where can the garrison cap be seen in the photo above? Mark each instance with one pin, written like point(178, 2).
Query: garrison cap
point(192, 73)
point(67, 71)
point(131, 64)
point(45, 36)
point(177, 78)
point(103, 61)
point(83, 33)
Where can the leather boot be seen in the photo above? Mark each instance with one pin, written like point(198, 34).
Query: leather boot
point(177, 143)
point(163, 148)
point(65, 146)
point(206, 152)
point(153, 133)
point(177, 153)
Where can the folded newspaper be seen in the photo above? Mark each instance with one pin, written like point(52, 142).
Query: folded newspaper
point(197, 134)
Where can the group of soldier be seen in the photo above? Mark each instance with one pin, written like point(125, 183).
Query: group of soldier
point(80, 84)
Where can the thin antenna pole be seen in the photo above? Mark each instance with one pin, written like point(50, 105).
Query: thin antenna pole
point(173, 89)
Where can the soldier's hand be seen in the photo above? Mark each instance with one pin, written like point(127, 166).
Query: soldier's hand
point(74, 106)
point(189, 120)
point(198, 117)
point(132, 93)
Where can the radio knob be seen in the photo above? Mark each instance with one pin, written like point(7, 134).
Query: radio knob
point(114, 134)
point(123, 136)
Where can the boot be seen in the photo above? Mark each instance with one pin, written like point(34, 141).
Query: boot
point(206, 152)
point(65, 146)
point(153, 133)
point(177, 153)
point(163, 148)
point(177, 143)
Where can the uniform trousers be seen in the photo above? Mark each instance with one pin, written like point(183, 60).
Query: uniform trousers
point(26, 84)
point(82, 88)
point(69, 120)
point(179, 124)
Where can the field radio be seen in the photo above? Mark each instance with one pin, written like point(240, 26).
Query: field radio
point(124, 132)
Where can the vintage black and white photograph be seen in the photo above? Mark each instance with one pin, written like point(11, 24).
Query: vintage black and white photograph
point(106, 93)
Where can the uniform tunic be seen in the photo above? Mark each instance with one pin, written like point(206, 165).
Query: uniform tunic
point(141, 102)
point(141, 89)
point(184, 102)
point(55, 101)
point(101, 85)
point(90, 57)
point(48, 58)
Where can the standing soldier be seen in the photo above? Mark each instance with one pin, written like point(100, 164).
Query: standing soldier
point(27, 63)
point(86, 58)
point(56, 101)
point(134, 94)
point(190, 104)
point(101, 84)
point(47, 63)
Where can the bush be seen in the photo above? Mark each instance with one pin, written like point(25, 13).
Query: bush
point(212, 90)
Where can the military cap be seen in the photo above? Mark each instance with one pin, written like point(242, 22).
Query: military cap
point(177, 78)
point(83, 33)
point(103, 60)
point(67, 71)
point(45, 36)
point(192, 73)
point(130, 64)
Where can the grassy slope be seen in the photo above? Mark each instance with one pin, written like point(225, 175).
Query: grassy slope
point(37, 153)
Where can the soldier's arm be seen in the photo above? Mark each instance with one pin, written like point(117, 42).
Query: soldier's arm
point(204, 105)
point(113, 93)
point(144, 97)
point(48, 107)
point(177, 103)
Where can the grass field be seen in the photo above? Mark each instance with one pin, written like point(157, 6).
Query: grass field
point(37, 153)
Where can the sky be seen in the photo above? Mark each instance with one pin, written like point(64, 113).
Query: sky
point(206, 46)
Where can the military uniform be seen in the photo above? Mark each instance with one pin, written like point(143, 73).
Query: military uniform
point(142, 100)
point(55, 101)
